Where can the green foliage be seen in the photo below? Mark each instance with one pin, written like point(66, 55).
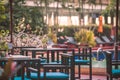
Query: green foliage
point(85, 36)
point(44, 39)
point(32, 15)
point(69, 31)
point(4, 33)
point(110, 9)
point(52, 36)
point(3, 43)
point(107, 29)
point(92, 2)
point(28, 13)
point(2, 11)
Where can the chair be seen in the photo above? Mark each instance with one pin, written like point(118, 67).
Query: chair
point(99, 41)
point(107, 40)
point(112, 70)
point(83, 57)
point(113, 38)
point(71, 40)
point(51, 71)
point(18, 49)
point(71, 43)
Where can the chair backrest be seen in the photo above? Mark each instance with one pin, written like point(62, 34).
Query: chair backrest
point(98, 40)
point(108, 62)
point(113, 38)
point(64, 68)
point(33, 65)
point(84, 57)
point(18, 49)
point(112, 72)
point(56, 70)
point(71, 40)
point(105, 38)
point(85, 52)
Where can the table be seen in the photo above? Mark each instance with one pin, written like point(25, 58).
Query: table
point(52, 51)
point(24, 51)
point(47, 50)
point(20, 59)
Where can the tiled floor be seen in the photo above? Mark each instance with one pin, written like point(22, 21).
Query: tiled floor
point(94, 77)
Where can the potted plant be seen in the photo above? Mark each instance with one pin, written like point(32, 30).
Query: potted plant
point(52, 36)
point(85, 37)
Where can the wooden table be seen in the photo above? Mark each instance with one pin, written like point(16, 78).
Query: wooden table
point(20, 59)
point(52, 51)
point(49, 51)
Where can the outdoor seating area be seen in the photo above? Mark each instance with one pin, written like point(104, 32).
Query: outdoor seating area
point(56, 63)
point(34, 65)
point(59, 40)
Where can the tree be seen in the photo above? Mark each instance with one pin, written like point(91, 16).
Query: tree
point(110, 9)
point(92, 3)
point(22, 11)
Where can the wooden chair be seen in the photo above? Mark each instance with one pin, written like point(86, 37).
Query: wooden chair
point(52, 71)
point(18, 49)
point(83, 57)
point(112, 70)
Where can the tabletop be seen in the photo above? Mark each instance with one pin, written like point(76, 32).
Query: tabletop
point(51, 52)
point(45, 49)
point(18, 60)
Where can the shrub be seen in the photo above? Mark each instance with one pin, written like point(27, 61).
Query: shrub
point(85, 36)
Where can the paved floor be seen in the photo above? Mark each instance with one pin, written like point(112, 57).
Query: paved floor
point(94, 77)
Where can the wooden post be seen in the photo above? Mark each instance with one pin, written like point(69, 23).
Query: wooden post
point(11, 24)
point(116, 33)
point(11, 21)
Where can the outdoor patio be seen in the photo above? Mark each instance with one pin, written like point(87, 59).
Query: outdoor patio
point(59, 40)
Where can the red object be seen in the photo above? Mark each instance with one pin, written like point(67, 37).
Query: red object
point(100, 27)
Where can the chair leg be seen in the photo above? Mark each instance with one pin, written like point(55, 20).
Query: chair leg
point(90, 72)
point(111, 77)
point(79, 71)
point(107, 78)
point(78, 76)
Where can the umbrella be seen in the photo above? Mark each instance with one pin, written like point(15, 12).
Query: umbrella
point(100, 27)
